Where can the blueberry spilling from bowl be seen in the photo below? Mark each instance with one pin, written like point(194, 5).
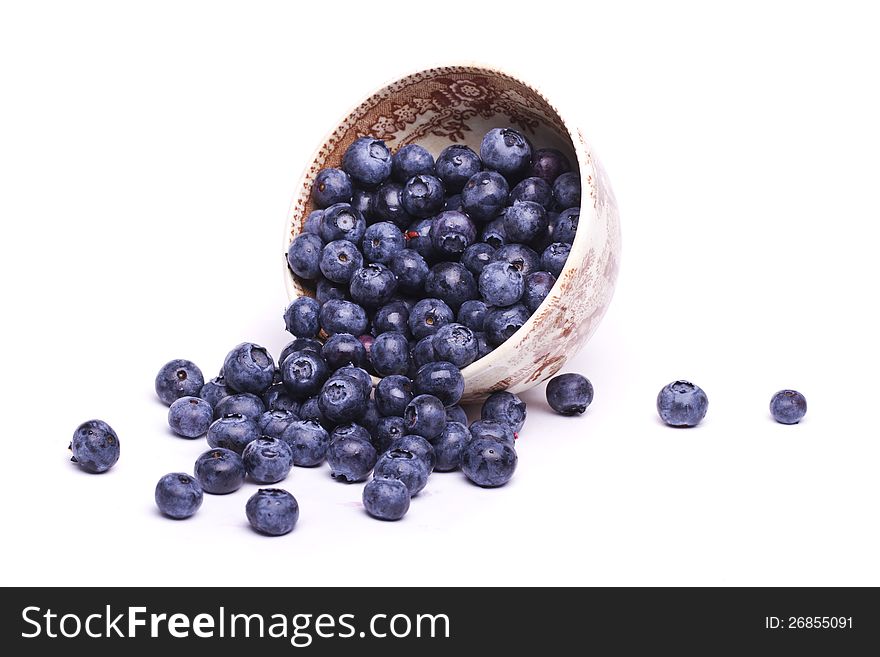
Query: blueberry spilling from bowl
point(414, 269)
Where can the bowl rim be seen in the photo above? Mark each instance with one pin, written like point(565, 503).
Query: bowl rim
point(581, 244)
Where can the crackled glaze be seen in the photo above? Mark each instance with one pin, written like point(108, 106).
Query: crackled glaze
point(458, 104)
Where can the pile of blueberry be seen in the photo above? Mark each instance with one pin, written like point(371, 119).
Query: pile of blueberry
point(419, 268)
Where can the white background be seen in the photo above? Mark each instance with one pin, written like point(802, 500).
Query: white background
point(148, 155)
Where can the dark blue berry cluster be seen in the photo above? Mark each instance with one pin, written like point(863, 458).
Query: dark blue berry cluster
point(426, 260)
point(419, 268)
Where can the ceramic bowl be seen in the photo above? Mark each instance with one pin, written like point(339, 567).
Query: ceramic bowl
point(458, 104)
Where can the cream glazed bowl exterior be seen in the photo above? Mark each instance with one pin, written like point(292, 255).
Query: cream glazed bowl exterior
point(458, 104)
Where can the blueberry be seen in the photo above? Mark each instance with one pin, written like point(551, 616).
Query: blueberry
point(390, 354)
point(312, 224)
point(452, 283)
point(370, 420)
point(505, 407)
point(455, 165)
point(300, 344)
point(343, 222)
point(533, 189)
point(411, 160)
point(95, 446)
point(456, 413)
point(423, 196)
point(449, 444)
point(442, 379)
point(303, 373)
point(267, 460)
point(507, 151)
point(451, 233)
point(498, 431)
point(484, 195)
point(308, 442)
point(393, 394)
point(788, 406)
point(565, 225)
point(525, 221)
point(233, 432)
point(342, 399)
point(427, 316)
point(477, 256)
point(456, 344)
point(423, 351)
point(386, 498)
point(275, 422)
point(520, 256)
point(178, 378)
point(545, 239)
point(570, 394)
point(493, 232)
point(411, 270)
point(472, 314)
point(339, 260)
point(249, 368)
point(453, 203)
point(680, 404)
point(351, 458)
point(338, 316)
point(488, 463)
point(342, 349)
point(393, 316)
point(388, 205)
point(549, 164)
point(215, 390)
point(219, 471)
point(368, 162)
point(501, 284)
point(425, 416)
point(483, 345)
point(419, 446)
point(359, 374)
point(554, 257)
point(277, 398)
point(178, 495)
point(418, 238)
point(301, 317)
point(272, 511)
point(309, 410)
point(537, 286)
point(382, 241)
point(326, 290)
point(373, 285)
point(331, 186)
point(567, 190)
point(403, 465)
point(388, 429)
point(304, 255)
point(501, 323)
point(364, 201)
point(245, 403)
point(190, 417)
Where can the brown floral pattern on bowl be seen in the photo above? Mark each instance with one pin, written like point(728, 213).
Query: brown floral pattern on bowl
point(458, 104)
